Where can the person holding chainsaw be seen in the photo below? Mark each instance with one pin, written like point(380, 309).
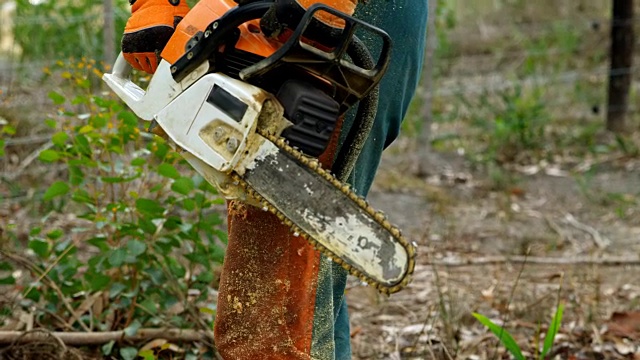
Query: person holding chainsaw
point(278, 297)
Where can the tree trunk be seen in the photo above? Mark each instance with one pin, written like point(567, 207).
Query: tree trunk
point(109, 33)
point(621, 56)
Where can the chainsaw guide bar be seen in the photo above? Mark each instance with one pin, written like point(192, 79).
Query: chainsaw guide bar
point(347, 210)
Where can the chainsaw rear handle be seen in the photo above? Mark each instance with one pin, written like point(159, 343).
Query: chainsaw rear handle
point(120, 82)
point(161, 91)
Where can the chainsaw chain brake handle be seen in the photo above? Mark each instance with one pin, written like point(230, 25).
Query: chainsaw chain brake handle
point(351, 82)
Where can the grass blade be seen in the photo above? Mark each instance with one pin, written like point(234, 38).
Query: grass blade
point(553, 330)
point(503, 335)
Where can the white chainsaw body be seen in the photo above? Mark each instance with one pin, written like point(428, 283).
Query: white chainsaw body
point(210, 117)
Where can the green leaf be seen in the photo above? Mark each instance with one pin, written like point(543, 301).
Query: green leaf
point(5, 266)
point(117, 256)
point(58, 188)
point(176, 268)
point(136, 247)
point(79, 99)
point(149, 305)
point(103, 103)
point(183, 185)
point(188, 204)
point(99, 121)
point(108, 347)
point(49, 155)
point(206, 310)
point(40, 247)
point(503, 335)
point(205, 277)
point(116, 289)
point(9, 130)
point(34, 295)
point(553, 330)
point(168, 170)
point(9, 280)
point(82, 196)
point(132, 329)
point(98, 281)
point(56, 98)
point(50, 123)
point(128, 118)
point(76, 176)
point(85, 129)
point(147, 354)
point(138, 162)
point(128, 353)
point(149, 206)
point(60, 138)
point(147, 226)
point(55, 234)
point(83, 145)
point(100, 243)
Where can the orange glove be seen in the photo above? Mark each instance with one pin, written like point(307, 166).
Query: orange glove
point(345, 6)
point(148, 30)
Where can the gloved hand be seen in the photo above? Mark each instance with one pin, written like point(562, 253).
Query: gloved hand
point(148, 30)
point(285, 14)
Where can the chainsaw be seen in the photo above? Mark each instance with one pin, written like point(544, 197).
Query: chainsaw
point(251, 113)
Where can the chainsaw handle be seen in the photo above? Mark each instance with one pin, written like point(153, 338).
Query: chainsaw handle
point(119, 80)
point(121, 68)
point(161, 91)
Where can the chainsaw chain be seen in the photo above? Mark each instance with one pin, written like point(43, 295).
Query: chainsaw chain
point(379, 217)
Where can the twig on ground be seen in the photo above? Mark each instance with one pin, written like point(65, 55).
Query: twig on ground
point(43, 276)
point(564, 237)
point(28, 160)
point(600, 241)
point(497, 260)
point(99, 338)
point(28, 140)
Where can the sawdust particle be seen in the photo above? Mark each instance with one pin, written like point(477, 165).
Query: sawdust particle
point(238, 208)
point(237, 305)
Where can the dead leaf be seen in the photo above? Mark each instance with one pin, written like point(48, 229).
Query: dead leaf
point(153, 344)
point(84, 307)
point(625, 325)
point(162, 345)
point(357, 330)
point(624, 347)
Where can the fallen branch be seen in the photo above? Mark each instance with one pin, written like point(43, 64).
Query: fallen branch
point(28, 160)
point(35, 139)
point(497, 260)
point(600, 241)
point(99, 338)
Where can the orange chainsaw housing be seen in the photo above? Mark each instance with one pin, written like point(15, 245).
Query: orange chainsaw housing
point(204, 13)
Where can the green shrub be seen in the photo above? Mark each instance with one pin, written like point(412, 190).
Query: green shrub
point(144, 231)
point(511, 124)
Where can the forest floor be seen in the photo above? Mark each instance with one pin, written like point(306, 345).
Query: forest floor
point(512, 254)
